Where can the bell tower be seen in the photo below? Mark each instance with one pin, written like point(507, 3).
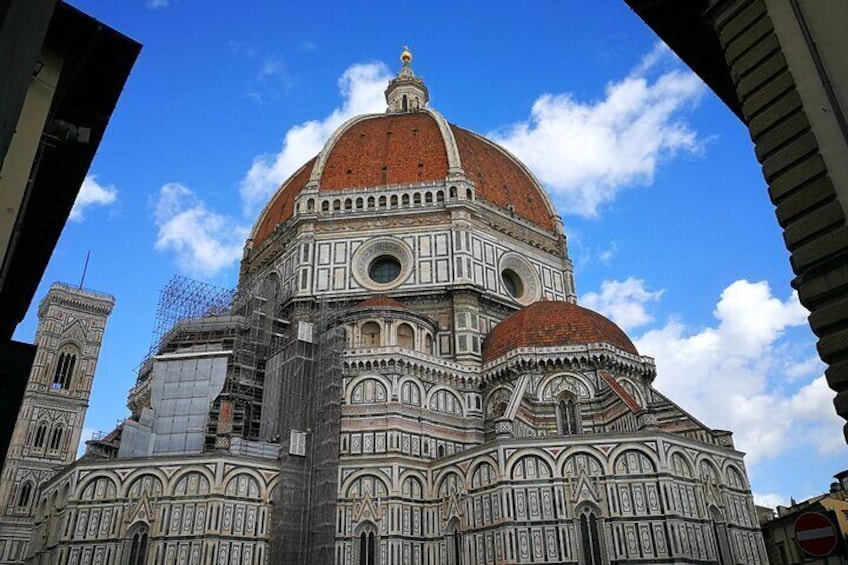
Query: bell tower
point(406, 92)
point(47, 432)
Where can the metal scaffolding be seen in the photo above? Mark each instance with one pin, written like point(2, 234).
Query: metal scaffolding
point(186, 299)
point(196, 316)
point(283, 383)
point(310, 375)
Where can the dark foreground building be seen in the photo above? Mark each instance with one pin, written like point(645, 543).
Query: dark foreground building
point(61, 73)
point(780, 66)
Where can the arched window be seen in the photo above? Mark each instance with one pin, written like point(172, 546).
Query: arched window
point(40, 435)
point(405, 103)
point(137, 539)
point(590, 537)
point(721, 539)
point(428, 343)
point(56, 438)
point(410, 394)
point(368, 391)
point(454, 543)
point(367, 547)
point(25, 495)
point(64, 370)
point(406, 336)
point(412, 488)
point(371, 334)
point(568, 416)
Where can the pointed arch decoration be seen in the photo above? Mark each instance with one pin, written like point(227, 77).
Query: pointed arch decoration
point(56, 438)
point(367, 544)
point(63, 372)
point(40, 435)
point(138, 536)
point(453, 538)
point(591, 540)
point(722, 540)
point(568, 415)
point(25, 495)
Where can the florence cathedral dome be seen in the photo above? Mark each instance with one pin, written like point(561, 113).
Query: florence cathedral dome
point(403, 376)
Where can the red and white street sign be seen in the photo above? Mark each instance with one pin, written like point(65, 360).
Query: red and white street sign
point(815, 534)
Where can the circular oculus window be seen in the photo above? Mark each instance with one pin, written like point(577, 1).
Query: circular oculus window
point(512, 283)
point(382, 263)
point(384, 269)
point(519, 278)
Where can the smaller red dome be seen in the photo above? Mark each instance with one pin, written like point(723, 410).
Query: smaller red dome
point(379, 301)
point(550, 323)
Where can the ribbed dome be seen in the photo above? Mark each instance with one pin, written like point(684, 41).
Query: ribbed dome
point(553, 323)
point(405, 148)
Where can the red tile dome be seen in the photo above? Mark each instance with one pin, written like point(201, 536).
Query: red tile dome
point(404, 148)
point(553, 323)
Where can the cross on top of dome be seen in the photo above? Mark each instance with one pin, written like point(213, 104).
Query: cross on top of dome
point(406, 92)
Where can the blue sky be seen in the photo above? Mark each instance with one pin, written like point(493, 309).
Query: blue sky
point(669, 224)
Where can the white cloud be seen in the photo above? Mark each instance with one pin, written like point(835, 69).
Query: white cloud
point(154, 4)
point(731, 375)
point(607, 255)
point(586, 152)
point(813, 403)
point(272, 80)
point(623, 302)
point(92, 193)
point(361, 86)
point(798, 369)
point(205, 242)
point(770, 499)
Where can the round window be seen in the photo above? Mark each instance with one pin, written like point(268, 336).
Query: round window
point(384, 269)
point(512, 283)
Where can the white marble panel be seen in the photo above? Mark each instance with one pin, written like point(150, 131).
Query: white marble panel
point(425, 272)
point(424, 245)
point(323, 279)
point(324, 253)
point(340, 252)
point(339, 278)
point(442, 270)
point(441, 244)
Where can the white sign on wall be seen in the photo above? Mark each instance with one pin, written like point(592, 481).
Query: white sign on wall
point(297, 443)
